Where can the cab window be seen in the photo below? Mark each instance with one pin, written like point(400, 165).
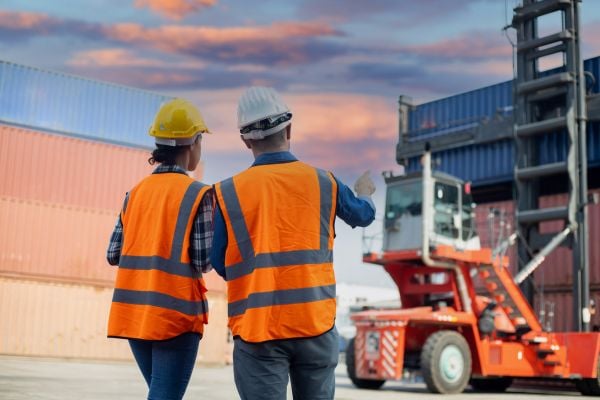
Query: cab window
point(446, 203)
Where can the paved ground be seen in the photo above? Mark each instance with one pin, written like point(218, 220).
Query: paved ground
point(24, 378)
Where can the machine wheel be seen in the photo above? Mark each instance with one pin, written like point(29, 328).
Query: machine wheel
point(590, 386)
point(351, 369)
point(446, 362)
point(491, 385)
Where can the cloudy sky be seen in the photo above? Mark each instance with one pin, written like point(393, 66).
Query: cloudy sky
point(340, 65)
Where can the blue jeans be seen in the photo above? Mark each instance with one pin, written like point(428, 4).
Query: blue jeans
point(166, 364)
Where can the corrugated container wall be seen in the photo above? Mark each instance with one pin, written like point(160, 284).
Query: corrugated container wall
point(63, 170)
point(76, 106)
point(446, 115)
point(488, 163)
point(557, 269)
point(555, 310)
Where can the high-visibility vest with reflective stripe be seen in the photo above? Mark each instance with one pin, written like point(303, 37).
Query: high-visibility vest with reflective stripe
point(279, 257)
point(158, 294)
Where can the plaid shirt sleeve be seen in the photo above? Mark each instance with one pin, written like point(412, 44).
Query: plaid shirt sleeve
point(202, 234)
point(114, 246)
point(113, 254)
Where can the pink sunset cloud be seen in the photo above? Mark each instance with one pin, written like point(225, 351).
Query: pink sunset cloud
point(332, 117)
point(278, 43)
point(113, 57)
point(26, 21)
point(119, 57)
point(467, 46)
point(257, 42)
point(175, 9)
point(173, 37)
point(501, 68)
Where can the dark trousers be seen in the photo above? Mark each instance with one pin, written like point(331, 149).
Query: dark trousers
point(261, 370)
point(166, 364)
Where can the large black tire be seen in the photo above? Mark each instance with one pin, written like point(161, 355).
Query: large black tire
point(490, 385)
point(351, 369)
point(446, 362)
point(590, 386)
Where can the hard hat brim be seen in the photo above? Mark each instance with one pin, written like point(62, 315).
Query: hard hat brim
point(178, 141)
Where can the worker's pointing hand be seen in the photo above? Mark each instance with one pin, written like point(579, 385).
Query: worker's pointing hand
point(364, 185)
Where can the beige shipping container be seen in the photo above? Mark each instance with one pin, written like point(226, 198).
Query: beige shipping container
point(50, 319)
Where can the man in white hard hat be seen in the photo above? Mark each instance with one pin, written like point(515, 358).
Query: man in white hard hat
point(273, 243)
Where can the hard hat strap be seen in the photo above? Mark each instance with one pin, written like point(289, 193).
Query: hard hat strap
point(267, 123)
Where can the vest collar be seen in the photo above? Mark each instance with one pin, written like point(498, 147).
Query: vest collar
point(274, 158)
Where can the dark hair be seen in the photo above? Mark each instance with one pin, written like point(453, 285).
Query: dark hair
point(165, 154)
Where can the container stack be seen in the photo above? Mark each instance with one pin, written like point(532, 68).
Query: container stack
point(70, 148)
point(490, 163)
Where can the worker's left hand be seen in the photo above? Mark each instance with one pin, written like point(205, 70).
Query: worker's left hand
point(364, 185)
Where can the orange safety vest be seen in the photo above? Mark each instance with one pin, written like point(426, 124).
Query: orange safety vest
point(158, 294)
point(279, 257)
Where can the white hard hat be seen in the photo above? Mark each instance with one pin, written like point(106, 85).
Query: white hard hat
point(262, 112)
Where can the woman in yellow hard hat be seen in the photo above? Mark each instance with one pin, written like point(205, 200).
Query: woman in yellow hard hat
point(161, 244)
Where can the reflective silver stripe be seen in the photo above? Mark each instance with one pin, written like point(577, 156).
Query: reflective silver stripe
point(159, 263)
point(193, 308)
point(269, 260)
point(185, 210)
point(325, 187)
point(238, 222)
point(281, 297)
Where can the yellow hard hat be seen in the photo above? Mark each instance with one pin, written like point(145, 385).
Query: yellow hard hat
point(177, 123)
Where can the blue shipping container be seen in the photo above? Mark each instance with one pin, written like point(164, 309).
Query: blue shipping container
point(75, 106)
point(489, 163)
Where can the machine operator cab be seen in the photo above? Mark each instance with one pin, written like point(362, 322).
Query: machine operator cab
point(451, 218)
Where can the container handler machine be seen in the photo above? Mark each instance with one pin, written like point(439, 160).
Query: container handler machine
point(432, 251)
point(444, 329)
